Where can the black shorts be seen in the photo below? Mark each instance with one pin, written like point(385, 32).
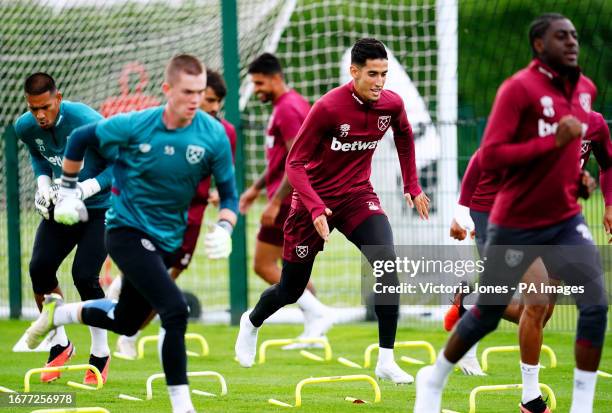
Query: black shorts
point(53, 243)
point(567, 250)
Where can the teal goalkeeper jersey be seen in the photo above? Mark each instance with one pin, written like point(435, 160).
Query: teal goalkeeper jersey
point(46, 147)
point(158, 170)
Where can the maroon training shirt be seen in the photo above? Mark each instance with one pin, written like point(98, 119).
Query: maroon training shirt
point(289, 112)
point(478, 187)
point(331, 157)
point(540, 182)
point(598, 141)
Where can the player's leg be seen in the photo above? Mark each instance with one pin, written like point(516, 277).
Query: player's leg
point(506, 263)
point(375, 233)
point(469, 364)
point(533, 316)
point(145, 269)
point(579, 266)
point(301, 245)
point(293, 281)
point(126, 345)
point(88, 260)
point(52, 243)
point(268, 253)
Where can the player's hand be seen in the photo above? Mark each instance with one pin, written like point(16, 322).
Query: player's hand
point(587, 185)
point(247, 198)
point(213, 198)
point(457, 231)
point(320, 224)
point(270, 213)
point(218, 243)
point(54, 193)
point(42, 201)
point(462, 223)
point(85, 189)
point(607, 221)
point(70, 209)
point(421, 201)
point(569, 129)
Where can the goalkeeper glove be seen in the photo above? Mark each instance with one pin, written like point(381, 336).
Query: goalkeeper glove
point(86, 189)
point(42, 198)
point(218, 242)
point(69, 209)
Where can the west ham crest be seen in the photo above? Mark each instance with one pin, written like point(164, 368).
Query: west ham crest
point(513, 257)
point(585, 101)
point(301, 251)
point(383, 122)
point(194, 154)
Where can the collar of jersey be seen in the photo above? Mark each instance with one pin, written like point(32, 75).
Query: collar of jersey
point(281, 97)
point(553, 75)
point(163, 125)
point(360, 102)
point(60, 116)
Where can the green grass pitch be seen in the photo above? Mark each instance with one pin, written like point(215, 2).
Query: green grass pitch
point(249, 389)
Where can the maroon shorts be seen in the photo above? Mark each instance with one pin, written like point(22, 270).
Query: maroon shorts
point(302, 241)
point(274, 234)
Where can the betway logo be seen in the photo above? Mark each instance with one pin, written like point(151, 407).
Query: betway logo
point(336, 145)
point(545, 128)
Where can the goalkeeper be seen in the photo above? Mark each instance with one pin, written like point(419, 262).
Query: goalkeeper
point(44, 129)
point(164, 152)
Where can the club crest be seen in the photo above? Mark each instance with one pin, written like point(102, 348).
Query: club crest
point(194, 154)
point(383, 122)
point(585, 101)
point(513, 257)
point(301, 251)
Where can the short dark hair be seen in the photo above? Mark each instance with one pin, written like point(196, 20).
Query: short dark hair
point(368, 48)
point(183, 63)
point(215, 81)
point(39, 83)
point(266, 64)
point(539, 26)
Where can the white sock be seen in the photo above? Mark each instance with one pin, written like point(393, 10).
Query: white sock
point(472, 352)
point(180, 398)
point(311, 304)
point(584, 391)
point(133, 337)
point(531, 382)
point(160, 343)
point(99, 342)
point(441, 369)
point(385, 355)
point(58, 336)
point(67, 314)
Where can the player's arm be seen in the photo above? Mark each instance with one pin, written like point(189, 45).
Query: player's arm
point(602, 149)
point(404, 142)
point(305, 145)
point(499, 149)
point(250, 195)
point(462, 221)
point(289, 128)
point(102, 136)
point(43, 197)
point(218, 242)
